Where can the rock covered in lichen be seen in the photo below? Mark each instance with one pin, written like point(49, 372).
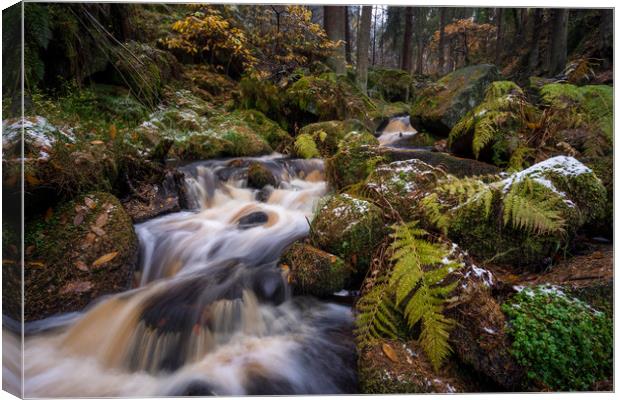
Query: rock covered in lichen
point(349, 228)
point(74, 254)
point(314, 271)
point(440, 106)
point(358, 153)
point(395, 184)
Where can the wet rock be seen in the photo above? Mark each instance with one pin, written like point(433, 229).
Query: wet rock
point(356, 155)
point(459, 167)
point(260, 176)
point(78, 252)
point(349, 228)
point(313, 271)
point(440, 106)
point(252, 220)
point(149, 200)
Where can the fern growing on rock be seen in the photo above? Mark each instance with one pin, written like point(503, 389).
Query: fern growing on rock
point(413, 292)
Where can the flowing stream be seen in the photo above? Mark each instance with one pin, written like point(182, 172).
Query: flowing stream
point(213, 312)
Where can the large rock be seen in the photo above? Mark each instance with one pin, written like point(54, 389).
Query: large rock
point(326, 135)
point(73, 255)
point(391, 85)
point(393, 186)
point(357, 154)
point(439, 107)
point(349, 228)
point(557, 196)
point(313, 271)
point(457, 166)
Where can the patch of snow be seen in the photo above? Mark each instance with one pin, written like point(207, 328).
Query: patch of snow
point(489, 330)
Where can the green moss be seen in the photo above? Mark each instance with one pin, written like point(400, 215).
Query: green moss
point(349, 228)
point(264, 96)
point(392, 186)
point(593, 104)
point(376, 381)
point(356, 157)
point(61, 273)
point(389, 84)
point(326, 135)
point(305, 147)
point(313, 271)
point(561, 341)
point(438, 107)
point(270, 131)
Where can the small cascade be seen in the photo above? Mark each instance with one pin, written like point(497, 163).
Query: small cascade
point(396, 129)
point(213, 313)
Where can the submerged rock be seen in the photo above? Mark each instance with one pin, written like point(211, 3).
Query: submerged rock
point(439, 107)
point(260, 176)
point(313, 271)
point(349, 228)
point(76, 253)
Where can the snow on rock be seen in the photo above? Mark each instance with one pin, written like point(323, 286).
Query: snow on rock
point(38, 133)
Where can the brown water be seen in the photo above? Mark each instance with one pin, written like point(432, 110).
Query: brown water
point(213, 313)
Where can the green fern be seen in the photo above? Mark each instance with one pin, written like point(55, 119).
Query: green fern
point(433, 211)
point(305, 146)
point(529, 210)
point(377, 315)
point(419, 288)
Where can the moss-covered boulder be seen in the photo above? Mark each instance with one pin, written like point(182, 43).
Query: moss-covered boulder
point(74, 254)
point(590, 106)
point(391, 85)
point(440, 106)
point(327, 97)
point(277, 138)
point(393, 186)
point(357, 155)
point(562, 342)
point(313, 271)
point(349, 228)
point(55, 164)
point(326, 136)
point(496, 130)
point(260, 176)
point(524, 219)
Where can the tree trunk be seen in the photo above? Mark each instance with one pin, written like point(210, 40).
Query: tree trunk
point(347, 35)
point(363, 41)
point(442, 40)
point(333, 21)
point(405, 59)
point(559, 24)
point(374, 37)
point(419, 30)
point(534, 39)
point(498, 39)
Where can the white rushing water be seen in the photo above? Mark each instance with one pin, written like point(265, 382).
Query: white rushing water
point(213, 313)
point(397, 129)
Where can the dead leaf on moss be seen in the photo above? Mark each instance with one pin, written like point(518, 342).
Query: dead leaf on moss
point(76, 287)
point(81, 265)
point(97, 230)
point(78, 219)
point(389, 352)
point(90, 203)
point(101, 220)
point(104, 259)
